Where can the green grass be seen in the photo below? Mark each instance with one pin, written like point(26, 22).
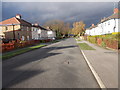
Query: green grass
point(54, 41)
point(22, 50)
point(12, 54)
point(78, 40)
point(85, 46)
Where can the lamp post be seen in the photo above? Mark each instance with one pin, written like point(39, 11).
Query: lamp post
point(13, 32)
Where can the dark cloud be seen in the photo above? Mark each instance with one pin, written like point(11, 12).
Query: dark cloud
point(89, 12)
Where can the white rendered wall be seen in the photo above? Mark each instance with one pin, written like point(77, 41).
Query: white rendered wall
point(106, 27)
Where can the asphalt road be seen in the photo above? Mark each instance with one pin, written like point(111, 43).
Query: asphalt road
point(60, 65)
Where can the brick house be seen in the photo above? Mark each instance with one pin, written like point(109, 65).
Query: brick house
point(15, 28)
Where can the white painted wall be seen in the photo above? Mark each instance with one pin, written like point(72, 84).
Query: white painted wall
point(37, 33)
point(44, 34)
point(2, 35)
point(87, 32)
point(106, 27)
point(51, 34)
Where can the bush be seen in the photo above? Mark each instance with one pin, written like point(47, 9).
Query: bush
point(42, 41)
point(103, 44)
point(92, 39)
point(118, 44)
point(109, 40)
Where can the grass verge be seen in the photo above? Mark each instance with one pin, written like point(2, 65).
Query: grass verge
point(85, 46)
point(78, 40)
point(54, 41)
point(12, 54)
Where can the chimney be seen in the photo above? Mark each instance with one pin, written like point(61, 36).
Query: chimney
point(48, 28)
point(92, 25)
point(36, 24)
point(116, 10)
point(18, 16)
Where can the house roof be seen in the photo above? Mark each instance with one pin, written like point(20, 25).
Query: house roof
point(39, 27)
point(114, 16)
point(23, 22)
point(10, 21)
point(15, 20)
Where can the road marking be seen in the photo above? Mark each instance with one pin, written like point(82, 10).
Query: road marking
point(98, 79)
point(101, 84)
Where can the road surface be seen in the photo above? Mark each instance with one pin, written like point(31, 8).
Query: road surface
point(60, 65)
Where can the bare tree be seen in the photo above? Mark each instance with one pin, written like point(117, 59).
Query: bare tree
point(59, 26)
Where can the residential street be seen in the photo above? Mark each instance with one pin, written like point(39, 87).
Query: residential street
point(59, 65)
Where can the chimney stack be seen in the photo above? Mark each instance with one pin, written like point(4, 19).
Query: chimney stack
point(48, 27)
point(36, 24)
point(93, 25)
point(116, 10)
point(18, 16)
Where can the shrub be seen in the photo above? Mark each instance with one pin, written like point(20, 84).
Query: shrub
point(92, 39)
point(118, 44)
point(103, 44)
point(108, 40)
point(42, 41)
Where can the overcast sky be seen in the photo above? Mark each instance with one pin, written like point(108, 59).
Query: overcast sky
point(89, 12)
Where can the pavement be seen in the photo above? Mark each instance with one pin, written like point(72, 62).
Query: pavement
point(104, 62)
point(59, 65)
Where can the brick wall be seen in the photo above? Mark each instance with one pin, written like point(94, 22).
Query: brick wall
point(9, 33)
point(108, 43)
point(18, 34)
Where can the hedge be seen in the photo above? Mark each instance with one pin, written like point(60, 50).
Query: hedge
point(109, 40)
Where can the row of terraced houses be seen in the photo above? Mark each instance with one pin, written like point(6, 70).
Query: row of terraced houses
point(106, 25)
point(17, 28)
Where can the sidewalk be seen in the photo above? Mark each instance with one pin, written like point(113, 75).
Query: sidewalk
point(105, 63)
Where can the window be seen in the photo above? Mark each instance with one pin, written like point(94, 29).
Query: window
point(38, 36)
point(114, 29)
point(28, 38)
point(27, 28)
point(105, 24)
point(109, 23)
point(22, 27)
point(23, 38)
point(32, 29)
point(6, 28)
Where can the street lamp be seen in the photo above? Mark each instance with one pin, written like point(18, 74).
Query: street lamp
point(13, 32)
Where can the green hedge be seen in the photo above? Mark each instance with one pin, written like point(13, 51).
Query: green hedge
point(103, 44)
point(92, 39)
point(107, 40)
point(119, 44)
point(108, 36)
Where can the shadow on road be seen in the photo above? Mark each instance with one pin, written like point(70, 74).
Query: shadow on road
point(11, 73)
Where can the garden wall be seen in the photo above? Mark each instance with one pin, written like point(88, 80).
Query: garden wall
point(104, 42)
